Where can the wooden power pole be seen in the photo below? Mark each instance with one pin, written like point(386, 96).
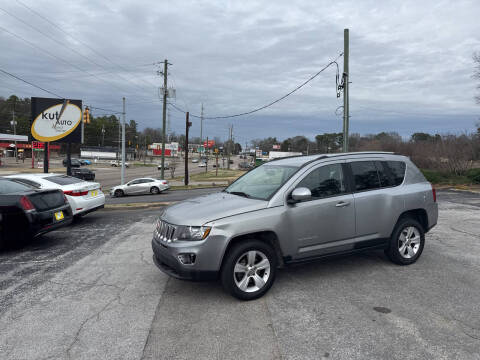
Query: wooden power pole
point(187, 126)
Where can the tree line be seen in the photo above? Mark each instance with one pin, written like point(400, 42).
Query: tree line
point(103, 130)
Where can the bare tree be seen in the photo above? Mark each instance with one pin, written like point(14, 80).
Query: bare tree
point(173, 167)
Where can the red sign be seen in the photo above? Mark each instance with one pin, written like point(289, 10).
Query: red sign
point(211, 143)
point(276, 147)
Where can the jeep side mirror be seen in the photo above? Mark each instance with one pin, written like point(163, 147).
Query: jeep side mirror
point(300, 194)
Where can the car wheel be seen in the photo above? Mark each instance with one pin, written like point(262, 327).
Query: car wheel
point(154, 190)
point(407, 242)
point(249, 269)
point(118, 193)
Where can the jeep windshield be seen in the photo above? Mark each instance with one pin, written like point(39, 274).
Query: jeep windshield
point(262, 182)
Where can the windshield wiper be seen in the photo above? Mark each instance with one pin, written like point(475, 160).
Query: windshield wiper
point(239, 193)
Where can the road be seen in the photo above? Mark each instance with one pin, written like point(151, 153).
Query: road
point(167, 196)
point(91, 291)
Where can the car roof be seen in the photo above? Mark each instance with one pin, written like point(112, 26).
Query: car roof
point(33, 176)
point(305, 159)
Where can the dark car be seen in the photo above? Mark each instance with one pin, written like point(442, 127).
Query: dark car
point(26, 212)
point(83, 173)
point(73, 162)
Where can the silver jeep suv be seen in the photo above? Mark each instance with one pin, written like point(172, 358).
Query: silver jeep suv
point(295, 210)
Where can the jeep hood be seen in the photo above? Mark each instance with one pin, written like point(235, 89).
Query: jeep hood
point(200, 210)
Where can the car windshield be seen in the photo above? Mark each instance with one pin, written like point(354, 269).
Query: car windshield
point(12, 186)
point(262, 182)
point(63, 179)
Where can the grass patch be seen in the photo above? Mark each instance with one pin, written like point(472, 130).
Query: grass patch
point(223, 175)
point(145, 165)
point(200, 186)
point(445, 178)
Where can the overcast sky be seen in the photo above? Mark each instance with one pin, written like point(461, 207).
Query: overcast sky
point(410, 61)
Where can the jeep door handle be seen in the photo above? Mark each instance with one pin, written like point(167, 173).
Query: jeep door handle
point(342, 204)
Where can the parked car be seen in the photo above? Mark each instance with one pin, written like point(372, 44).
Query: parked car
point(26, 212)
point(85, 162)
point(230, 161)
point(294, 210)
point(116, 163)
point(245, 165)
point(194, 160)
point(202, 164)
point(73, 162)
point(167, 166)
point(140, 186)
point(83, 173)
point(83, 196)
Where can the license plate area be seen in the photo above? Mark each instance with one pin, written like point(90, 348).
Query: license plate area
point(59, 215)
point(93, 193)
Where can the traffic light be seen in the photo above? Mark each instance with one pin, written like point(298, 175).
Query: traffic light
point(86, 115)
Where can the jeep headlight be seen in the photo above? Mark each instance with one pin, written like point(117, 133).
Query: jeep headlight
point(191, 233)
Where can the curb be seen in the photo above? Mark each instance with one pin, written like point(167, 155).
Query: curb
point(144, 205)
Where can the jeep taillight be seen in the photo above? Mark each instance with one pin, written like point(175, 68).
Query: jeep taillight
point(434, 193)
point(26, 204)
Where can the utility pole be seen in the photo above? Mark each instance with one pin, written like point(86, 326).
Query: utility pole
point(103, 134)
point(164, 115)
point(201, 126)
point(230, 130)
point(346, 94)
point(123, 144)
point(187, 126)
point(206, 157)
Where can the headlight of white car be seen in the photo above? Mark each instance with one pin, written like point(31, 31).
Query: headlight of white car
point(192, 233)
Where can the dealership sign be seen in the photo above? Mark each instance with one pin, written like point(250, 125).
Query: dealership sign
point(56, 120)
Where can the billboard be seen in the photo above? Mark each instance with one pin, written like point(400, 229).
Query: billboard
point(56, 120)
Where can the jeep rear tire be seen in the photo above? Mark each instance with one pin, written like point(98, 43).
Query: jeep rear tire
point(407, 242)
point(249, 269)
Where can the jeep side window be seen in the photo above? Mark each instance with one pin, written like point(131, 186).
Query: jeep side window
point(325, 181)
point(365, 175)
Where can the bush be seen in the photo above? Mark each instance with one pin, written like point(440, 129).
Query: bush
point(474, 175)
point(446, 178)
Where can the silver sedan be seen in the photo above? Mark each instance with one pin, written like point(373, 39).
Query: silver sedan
point(140, 186)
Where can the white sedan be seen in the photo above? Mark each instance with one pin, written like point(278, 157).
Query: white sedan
point(83, 196)
point(140, 186)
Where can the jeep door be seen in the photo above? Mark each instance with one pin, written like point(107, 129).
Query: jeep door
point(320, 224)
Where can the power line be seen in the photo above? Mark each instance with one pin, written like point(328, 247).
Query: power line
point(59, 58)
point(82, 42)
point(269, 104)
point(32, 84)
point(52, 93)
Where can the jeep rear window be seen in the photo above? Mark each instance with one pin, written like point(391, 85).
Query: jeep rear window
point(63, 179)
point(397, 169)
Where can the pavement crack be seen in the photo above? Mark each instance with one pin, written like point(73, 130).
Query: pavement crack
point(278, 355)
point(465, 232)
point(160, 301)
point(96, 315)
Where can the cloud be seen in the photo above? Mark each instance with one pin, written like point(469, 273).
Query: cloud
point(411, 62)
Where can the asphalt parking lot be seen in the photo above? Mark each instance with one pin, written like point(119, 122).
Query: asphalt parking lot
point(91, 291)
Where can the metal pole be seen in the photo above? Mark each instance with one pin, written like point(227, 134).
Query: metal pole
point(187, 125)
point(345, 89)
point(201, 126)
point(14, 123)
point(164, 115)
point(123, 144)
point(206, 157)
